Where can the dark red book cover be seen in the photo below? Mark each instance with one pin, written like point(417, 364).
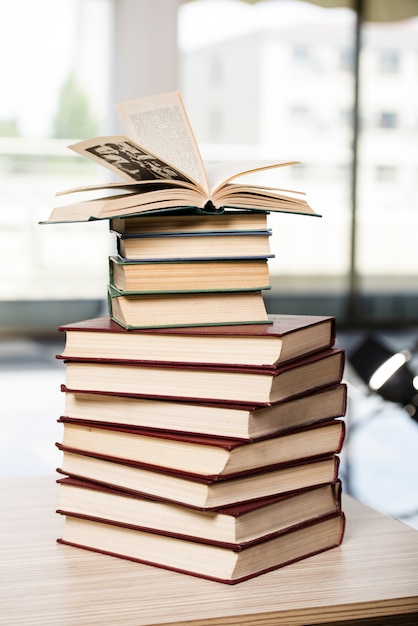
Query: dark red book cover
point(280, 330)
point(195, 370)
point(225, 405)
point(227, 443)
point(280, 326)
point(235, 510)
point(254, 369)
point(330, 464)
point(324, 546)
point(305, 433)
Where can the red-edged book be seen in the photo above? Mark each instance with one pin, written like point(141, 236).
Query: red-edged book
point(238, 525)
point(217, 563)
point(198, 455)
point(187, 381)
point(286, 337)
point(219, 420)
point(198, 492)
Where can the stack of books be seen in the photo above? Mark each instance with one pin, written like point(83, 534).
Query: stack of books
point(185, 268)
point(207, 449)
point(200, 434)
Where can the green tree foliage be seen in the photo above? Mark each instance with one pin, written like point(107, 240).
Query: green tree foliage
point(74, 118)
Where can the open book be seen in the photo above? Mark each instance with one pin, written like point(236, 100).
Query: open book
point(161, 168)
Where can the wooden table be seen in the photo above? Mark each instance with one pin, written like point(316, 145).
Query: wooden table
point(370, 579)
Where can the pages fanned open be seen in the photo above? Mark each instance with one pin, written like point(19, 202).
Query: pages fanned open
point(161, 168)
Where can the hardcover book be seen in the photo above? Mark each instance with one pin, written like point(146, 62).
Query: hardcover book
point(222, 420)
point(188, 381)
point(241, 524)
point(198, 492)
point(284, 338)
point(197, 246)
point(198, 455)
point(186, 309)
point(190, 222)
point(184, 276)
point(218, 563)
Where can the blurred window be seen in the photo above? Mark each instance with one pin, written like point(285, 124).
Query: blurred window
point(288, 91)
point(59, 94)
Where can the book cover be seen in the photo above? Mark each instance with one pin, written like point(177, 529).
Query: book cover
point(200, 455)
point(189, 381)
point(284, 338)
point(185, 276)
point(225, 565)
point(198, 246)
point(199, 492)
point(242, 524)
point(186, 309)
point(191, 221)
point(221, 420)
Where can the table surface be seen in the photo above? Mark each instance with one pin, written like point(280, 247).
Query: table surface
point(373, 574)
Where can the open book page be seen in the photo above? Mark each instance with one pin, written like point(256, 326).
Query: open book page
point(131, 162)
point(221, 173)
point(161, 168)
point(128, 187)
point(160, 124)
point(125, 157)
point(235, 192)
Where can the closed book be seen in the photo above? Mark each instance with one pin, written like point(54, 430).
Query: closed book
point(286, 337)
point(199, 455)
point(241, 524)
point(217, 563)
point(197, 492)
point(191, 221)
point(196, 246)
point(260, 386)
point(186, 309)
point(185, 276)
point(222, 420)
